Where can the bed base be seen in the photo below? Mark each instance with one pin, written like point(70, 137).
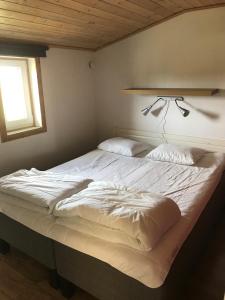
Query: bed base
point(4, 247)
point(106, 283)
point(29, 242)
point(67, 288)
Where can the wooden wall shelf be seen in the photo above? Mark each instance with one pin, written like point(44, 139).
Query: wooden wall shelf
point(171, 91)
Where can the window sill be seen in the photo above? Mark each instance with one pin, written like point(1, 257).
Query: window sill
point(16, 134)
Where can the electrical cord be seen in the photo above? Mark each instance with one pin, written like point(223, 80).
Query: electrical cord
point(164, 121)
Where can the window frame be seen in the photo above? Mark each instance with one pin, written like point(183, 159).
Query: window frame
point(8, 135)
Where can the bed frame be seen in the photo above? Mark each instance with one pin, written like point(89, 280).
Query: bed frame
point(107, 283)
point(30, 242)
point(97, 277)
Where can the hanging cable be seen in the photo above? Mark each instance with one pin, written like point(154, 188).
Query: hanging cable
point(164, 121)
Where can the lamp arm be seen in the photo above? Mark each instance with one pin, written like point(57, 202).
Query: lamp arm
point(151, 106)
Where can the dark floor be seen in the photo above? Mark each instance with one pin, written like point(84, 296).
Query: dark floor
point(21, 278)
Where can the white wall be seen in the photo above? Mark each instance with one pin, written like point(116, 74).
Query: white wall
point(70, 113)
point(187, 51)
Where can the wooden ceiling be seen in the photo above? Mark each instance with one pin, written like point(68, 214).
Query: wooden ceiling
point(87, 24)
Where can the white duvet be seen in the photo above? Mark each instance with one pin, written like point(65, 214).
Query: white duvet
point(141, 217)
point(40, 190)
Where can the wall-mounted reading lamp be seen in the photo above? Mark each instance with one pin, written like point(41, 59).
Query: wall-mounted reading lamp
point(147, 109)
point(185, 112)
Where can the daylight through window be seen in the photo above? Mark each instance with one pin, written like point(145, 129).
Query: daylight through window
point(21, 101)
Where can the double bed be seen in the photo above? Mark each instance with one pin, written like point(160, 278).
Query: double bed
point(110, 270)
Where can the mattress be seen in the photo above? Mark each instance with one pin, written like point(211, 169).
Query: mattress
point(189, 186)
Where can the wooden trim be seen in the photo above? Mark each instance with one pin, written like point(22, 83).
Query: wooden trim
point(41, 95)
point(30, 92)
point(171, 91)
point(23, 133)
point(14, 58)
point(162, 21)
point(3, 130)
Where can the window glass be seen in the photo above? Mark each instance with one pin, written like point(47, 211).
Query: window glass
point(13, 97)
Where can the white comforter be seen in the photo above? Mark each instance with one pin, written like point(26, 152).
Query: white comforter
point(142, 217)
point(41, 190)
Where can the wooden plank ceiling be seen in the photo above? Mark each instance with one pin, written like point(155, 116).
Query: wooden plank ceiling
point(88, 24)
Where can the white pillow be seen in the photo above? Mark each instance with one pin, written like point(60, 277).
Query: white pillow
point(176, 154)
point(123, 146)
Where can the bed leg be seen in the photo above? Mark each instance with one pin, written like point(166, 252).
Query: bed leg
point(4, 247)
point(54, 279)
point(67, 288)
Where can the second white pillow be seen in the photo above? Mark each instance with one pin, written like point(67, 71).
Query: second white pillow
point(176, 154)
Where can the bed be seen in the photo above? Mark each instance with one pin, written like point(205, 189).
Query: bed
point(110, 271)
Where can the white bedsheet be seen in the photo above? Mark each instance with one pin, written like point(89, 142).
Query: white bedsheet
point(189, 187)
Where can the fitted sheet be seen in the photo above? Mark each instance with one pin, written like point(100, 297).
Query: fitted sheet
point(190, 187)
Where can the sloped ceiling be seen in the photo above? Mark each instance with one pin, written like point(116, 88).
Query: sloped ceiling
point(88, 24)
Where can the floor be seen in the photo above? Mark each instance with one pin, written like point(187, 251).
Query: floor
point(21, 278)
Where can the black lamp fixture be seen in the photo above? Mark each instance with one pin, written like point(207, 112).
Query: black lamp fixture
point(147, 109)
point(185, 112)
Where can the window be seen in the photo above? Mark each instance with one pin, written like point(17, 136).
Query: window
point(21, 98)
